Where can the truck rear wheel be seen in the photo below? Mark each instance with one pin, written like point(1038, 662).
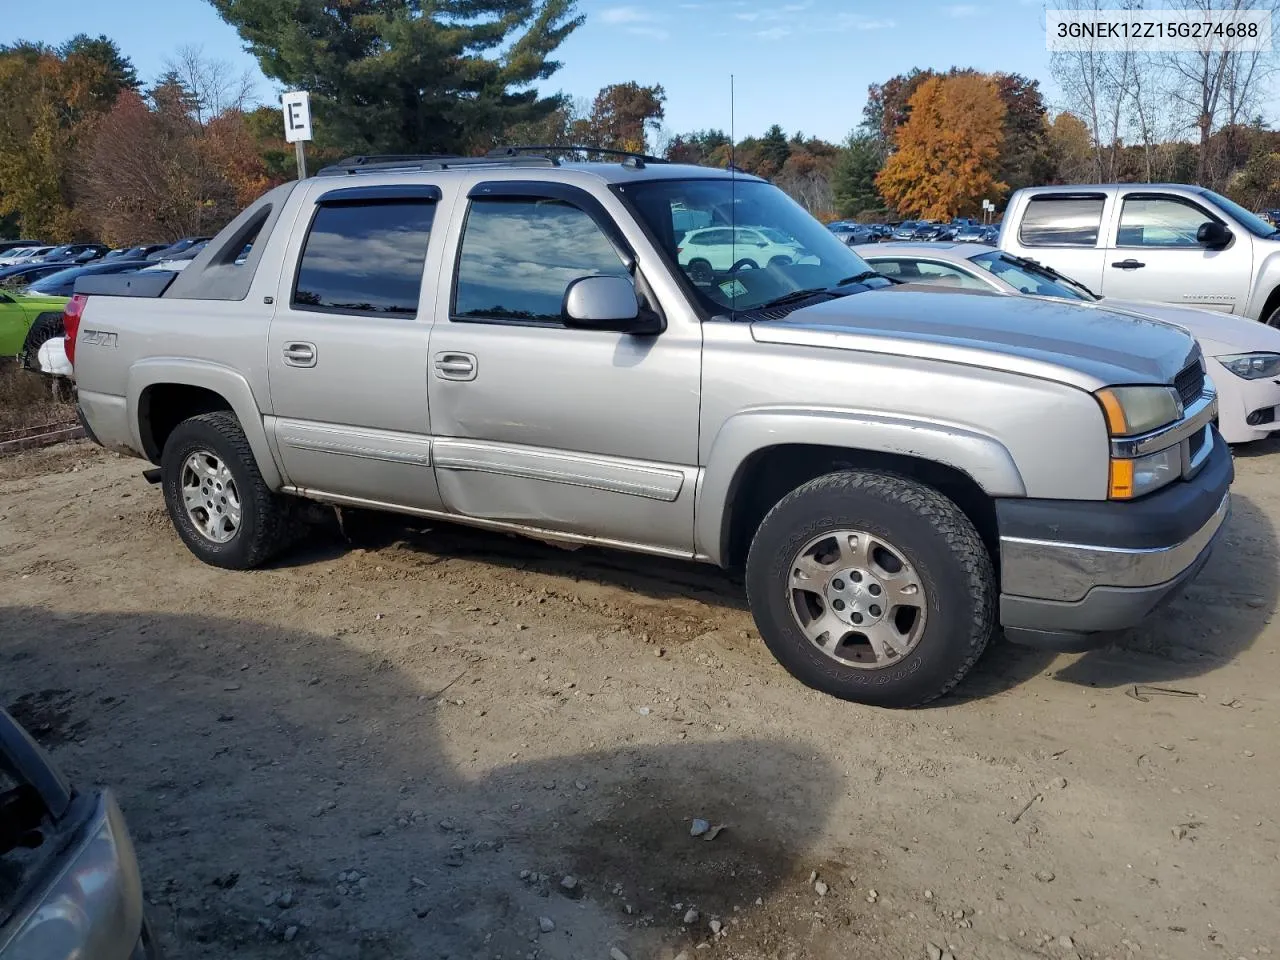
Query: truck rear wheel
point(872, 587)
point(218, 502)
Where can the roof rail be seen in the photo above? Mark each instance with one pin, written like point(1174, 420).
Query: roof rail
point(637, 160)
point(396, 162)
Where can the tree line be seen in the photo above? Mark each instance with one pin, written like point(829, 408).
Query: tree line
point(88, 151)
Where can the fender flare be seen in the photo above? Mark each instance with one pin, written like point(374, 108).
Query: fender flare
point(982, 458)
point(227, 383)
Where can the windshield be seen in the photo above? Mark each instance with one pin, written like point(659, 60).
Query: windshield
point(734, 262)
point(1032, 279)
point(51, 283)
point(1247, 219)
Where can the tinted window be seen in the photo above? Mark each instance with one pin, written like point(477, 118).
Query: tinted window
point(1051, 221)
point(365, 257)
point(925, 271)
point(714, 237)
point(519, 255)
point(1159, 222)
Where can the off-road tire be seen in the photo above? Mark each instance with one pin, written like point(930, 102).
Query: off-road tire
point(935, 536)
point(46, 327)
point(268, 523)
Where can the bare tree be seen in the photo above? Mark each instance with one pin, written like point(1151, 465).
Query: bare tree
point(1097, 86)
point(1217, 86)
point(212, 86)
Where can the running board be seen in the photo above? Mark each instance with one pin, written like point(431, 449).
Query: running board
point(152, 475)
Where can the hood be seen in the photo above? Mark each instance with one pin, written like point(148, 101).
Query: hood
point(1219, 334)
point(1084, 346)
point(40, 301)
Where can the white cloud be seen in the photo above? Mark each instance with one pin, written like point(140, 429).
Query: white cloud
point(624, 15)
point(773, 33)
point(750, 16)
point(653, 33)
point(958, 11)
point(855, 21)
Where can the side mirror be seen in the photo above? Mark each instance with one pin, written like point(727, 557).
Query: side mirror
point(1213, 235)
point(606, 303)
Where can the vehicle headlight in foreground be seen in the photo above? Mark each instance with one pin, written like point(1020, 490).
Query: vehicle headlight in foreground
point(1252, 366)
point(1133, 411)
point(93, 907)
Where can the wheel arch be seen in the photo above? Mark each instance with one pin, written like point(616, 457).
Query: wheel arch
point(163, 392)
point(753, 464)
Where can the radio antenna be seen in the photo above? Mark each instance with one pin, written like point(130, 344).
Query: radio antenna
point(733, 141)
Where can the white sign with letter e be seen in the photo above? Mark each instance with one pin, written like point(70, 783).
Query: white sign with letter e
point(297, 115)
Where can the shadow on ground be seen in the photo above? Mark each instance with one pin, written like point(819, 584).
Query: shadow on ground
point(1213, 619)
point(254, 762)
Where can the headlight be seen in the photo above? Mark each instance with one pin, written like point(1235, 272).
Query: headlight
point(1135, 478)
point(94, 906)
point(1252, 366)
point(1134, 410)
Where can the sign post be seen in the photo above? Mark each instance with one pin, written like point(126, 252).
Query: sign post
point(297, 125)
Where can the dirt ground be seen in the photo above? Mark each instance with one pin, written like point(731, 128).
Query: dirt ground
point(399, 749)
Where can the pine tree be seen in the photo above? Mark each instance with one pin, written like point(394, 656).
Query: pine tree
point(390, 76)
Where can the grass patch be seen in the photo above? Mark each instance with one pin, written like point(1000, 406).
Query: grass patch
point(27, 399)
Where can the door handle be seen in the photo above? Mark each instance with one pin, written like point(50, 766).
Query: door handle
point(1129, 264)
point(455, 366)
point(300, 354)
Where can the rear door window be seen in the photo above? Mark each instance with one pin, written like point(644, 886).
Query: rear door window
point(365, 257)
point(1054, 220)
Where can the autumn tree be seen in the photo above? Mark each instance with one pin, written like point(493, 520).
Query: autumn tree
point(706, 147)
point(774, 150)
point(1071, 148)
point(946, 155)
point(391, 77)
point(622, 117)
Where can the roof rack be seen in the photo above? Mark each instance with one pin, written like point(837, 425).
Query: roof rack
point(395, 162)
point(630, 158)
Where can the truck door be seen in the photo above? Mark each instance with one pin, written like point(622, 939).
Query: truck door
point(347, 351)
point(589, 432)
point(1154, 255)
point(1063, 231)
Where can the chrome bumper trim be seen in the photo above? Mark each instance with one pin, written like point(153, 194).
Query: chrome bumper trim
point(1052, 570)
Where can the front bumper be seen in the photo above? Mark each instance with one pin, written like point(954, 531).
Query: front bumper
point(1239, 398)
point(1072, 571)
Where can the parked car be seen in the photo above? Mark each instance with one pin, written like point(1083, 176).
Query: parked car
point(704, 253)
point(140, 252)
point(970, 233)
point(19, 276)
point(19, 312)
point(881, 232)
point(62, 283)
point(905, 230)
point(1243, 357)
point(926, 230)
point(69, 879)
point(1170, 242)
point(23, 255)
point(852, 233)
point(899, 469)
point(173, 250)
point(7, 246)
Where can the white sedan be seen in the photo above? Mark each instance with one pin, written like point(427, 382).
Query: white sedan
point(711, 250)
point(1242, 356)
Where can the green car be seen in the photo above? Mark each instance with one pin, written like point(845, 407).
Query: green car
point(18, 311)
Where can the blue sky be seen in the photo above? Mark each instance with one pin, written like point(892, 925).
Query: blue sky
point(804, 64)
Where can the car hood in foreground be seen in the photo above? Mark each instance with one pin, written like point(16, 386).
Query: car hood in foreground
point(1087, 347)
point(1220, 334)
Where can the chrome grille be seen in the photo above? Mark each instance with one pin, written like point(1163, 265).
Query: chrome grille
point(1190, 383)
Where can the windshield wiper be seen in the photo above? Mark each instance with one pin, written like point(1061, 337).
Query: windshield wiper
point(860, 278)
point(793, 297)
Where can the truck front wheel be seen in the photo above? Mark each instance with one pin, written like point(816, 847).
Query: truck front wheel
point(218, 502)
point(872, 587)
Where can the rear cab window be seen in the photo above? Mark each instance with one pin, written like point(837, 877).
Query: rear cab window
point(1062, 220)
point(365, 256)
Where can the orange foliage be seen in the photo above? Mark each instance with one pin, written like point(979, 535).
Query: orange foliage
point(947, 152)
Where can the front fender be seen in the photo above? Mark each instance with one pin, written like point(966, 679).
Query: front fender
point(224, 381)
point(1265, 281)
point(982, 458)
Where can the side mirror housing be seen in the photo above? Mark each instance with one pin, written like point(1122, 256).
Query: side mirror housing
point(607, 303)
point(1213, 235)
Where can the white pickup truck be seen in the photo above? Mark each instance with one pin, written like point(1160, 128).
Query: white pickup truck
point(1151, 241)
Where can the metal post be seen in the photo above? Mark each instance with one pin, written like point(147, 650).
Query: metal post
point(300, 151)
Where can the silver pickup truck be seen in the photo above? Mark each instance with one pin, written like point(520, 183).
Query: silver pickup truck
point(675, 360)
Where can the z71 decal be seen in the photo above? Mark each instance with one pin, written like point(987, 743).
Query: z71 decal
point(98, 338)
